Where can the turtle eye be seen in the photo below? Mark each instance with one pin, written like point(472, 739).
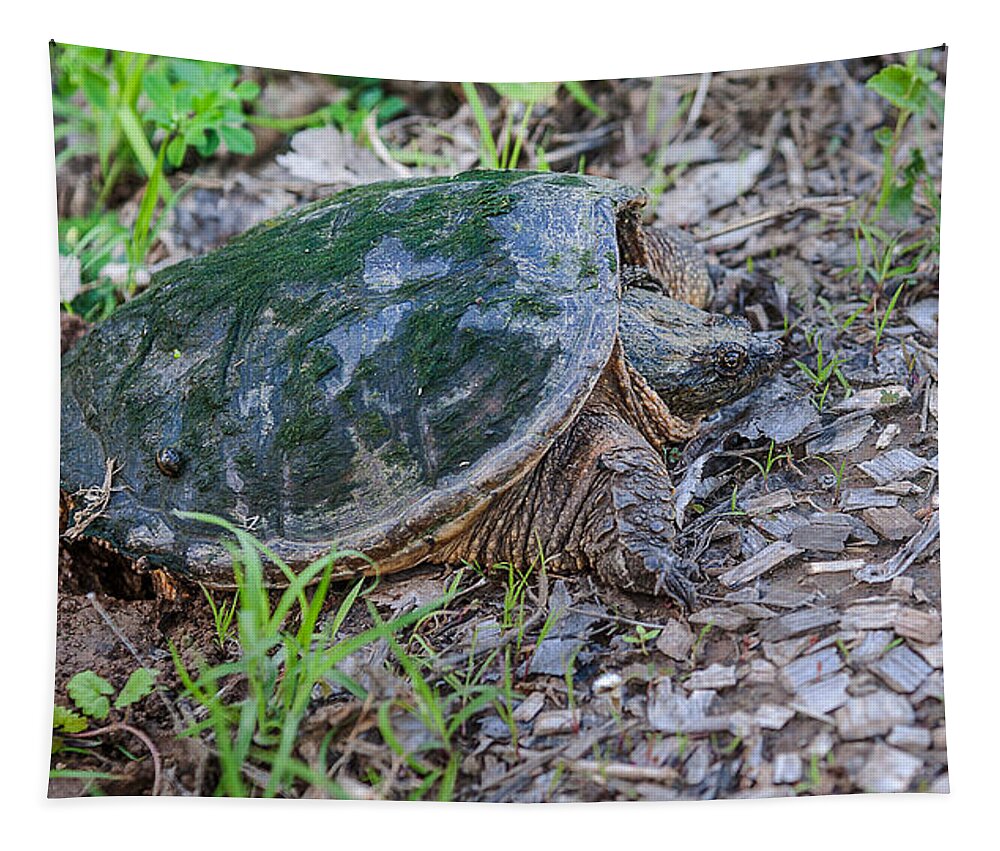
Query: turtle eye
point(730, 359)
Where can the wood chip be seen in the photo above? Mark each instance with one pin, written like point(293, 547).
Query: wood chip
point(768, 558)
point(874, 399)
point(825, 696)
point(870, 616)
point(713, 677)
point(807, 670)
point(924, 627)
point(911, 738)
point(556, 721)
point(901, 669)
point(621, 770)
point(933, 687)
point(887, 436)
point(723, 617)
point(842, 435)
point(933, 654)
point(761, 672)
point(873, 714)
point(893, 465)
point(768, 503)
point(780, 525)
point(840, 566)
point(821, 537)
point(888, 769)
point(872, 646)
point(528, 708)
point(771, 716)
point(857, 498)
point(675, 640)
point(787, 768)
point(798, 623)
point(893, 524)
point(780, 653)
point(910, 551)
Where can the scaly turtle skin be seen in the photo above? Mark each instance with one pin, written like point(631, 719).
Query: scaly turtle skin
point(429, 370)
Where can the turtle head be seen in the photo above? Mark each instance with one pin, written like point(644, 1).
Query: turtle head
point(697, 361)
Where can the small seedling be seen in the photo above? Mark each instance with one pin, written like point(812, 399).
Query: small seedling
point(702, 635)
point(222, 617)
point(641, 636)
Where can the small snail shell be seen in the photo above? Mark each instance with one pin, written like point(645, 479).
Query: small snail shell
point(169, 461)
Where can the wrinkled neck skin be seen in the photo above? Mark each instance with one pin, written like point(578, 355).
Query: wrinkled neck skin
point(697, 362)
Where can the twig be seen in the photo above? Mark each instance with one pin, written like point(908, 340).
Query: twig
point(816, 203)
point(371, 129)
point(117, 726)
point(94, 501)
point(616, 618)
point(106, 617)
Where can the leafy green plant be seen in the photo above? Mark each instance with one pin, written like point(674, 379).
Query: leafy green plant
point(504, 152)
point(906, 87)
point(91, 695)
point(838, 473)
point(881, 323)
point(142, 113)
point(641, 635)
point(824, 371)
point(766, 467)
point(279, 667)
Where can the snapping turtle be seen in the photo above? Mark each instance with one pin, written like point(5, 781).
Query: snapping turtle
point(428, 370)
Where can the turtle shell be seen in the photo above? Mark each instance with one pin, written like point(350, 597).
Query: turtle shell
point(360, 373)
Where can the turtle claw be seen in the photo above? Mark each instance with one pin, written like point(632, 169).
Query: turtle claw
point(672, 579)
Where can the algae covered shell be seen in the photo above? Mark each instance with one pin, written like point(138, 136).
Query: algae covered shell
point(363, 372)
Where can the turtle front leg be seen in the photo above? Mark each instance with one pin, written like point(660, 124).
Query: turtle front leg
point(631, 528)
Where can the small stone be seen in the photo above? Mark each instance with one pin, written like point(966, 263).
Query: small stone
point(888, 770)
point(873, 714)
point(939, 739)
point(787, 768)
point(893, 524)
